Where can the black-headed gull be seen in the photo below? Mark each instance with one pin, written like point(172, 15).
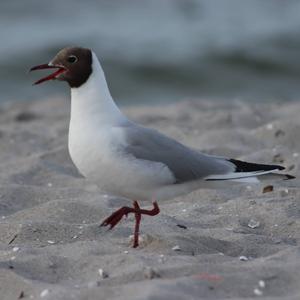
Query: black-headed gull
point(127, 159)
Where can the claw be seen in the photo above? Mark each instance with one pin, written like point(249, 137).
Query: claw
point(117, 216)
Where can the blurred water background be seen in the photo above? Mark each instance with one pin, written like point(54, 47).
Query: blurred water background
point(158, 50)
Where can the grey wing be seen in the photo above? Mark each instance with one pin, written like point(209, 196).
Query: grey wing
point(185, 163)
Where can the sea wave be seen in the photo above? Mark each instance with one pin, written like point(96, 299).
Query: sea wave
point(159, 50)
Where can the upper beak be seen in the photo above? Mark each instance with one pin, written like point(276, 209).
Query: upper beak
point(60, 69)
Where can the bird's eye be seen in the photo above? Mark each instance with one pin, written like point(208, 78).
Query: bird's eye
point(72, 59)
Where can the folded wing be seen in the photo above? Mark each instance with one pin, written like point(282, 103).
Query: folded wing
point(185, 163)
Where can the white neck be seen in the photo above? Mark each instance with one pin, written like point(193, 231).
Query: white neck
point(92, 100)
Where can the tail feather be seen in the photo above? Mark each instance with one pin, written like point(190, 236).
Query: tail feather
point(265, 177)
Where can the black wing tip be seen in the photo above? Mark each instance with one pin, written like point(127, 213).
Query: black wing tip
point(289, 177)
point(243, 166)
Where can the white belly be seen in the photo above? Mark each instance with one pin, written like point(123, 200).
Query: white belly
point(99, 159)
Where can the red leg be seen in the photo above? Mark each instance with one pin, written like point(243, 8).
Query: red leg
point(116, 217)
point(138, 218)
point(153, 212)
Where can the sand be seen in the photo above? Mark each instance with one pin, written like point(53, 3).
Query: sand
point(231, 243)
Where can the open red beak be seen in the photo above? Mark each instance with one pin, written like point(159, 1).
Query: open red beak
point(52, 76)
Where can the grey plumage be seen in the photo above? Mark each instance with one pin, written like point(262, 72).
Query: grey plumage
point(185, 163)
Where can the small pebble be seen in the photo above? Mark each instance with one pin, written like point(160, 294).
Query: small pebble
point(295, 154)
point(181, 226)
point(257, 292)
point(262, 284)
point(243, 258)
point(253, 224)
point(176, 248)
point(102, 273)
point(15, 249)
point(50, 242)
point(75, 237)
point(284, 193)
point(126, 251)
point(44, 293)
point(50, 184)
point(270, 126)
point(162, 258)
point(268, 189)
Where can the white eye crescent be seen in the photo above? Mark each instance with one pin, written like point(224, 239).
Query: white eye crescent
point(72, 59)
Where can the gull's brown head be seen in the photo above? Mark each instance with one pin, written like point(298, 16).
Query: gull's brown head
point(72, 64)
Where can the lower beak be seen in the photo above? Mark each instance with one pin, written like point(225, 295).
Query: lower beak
point(52, 76)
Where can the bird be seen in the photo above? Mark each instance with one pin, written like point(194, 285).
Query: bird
point(127, 159)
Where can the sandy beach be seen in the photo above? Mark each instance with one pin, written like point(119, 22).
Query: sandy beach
point(234, 243)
